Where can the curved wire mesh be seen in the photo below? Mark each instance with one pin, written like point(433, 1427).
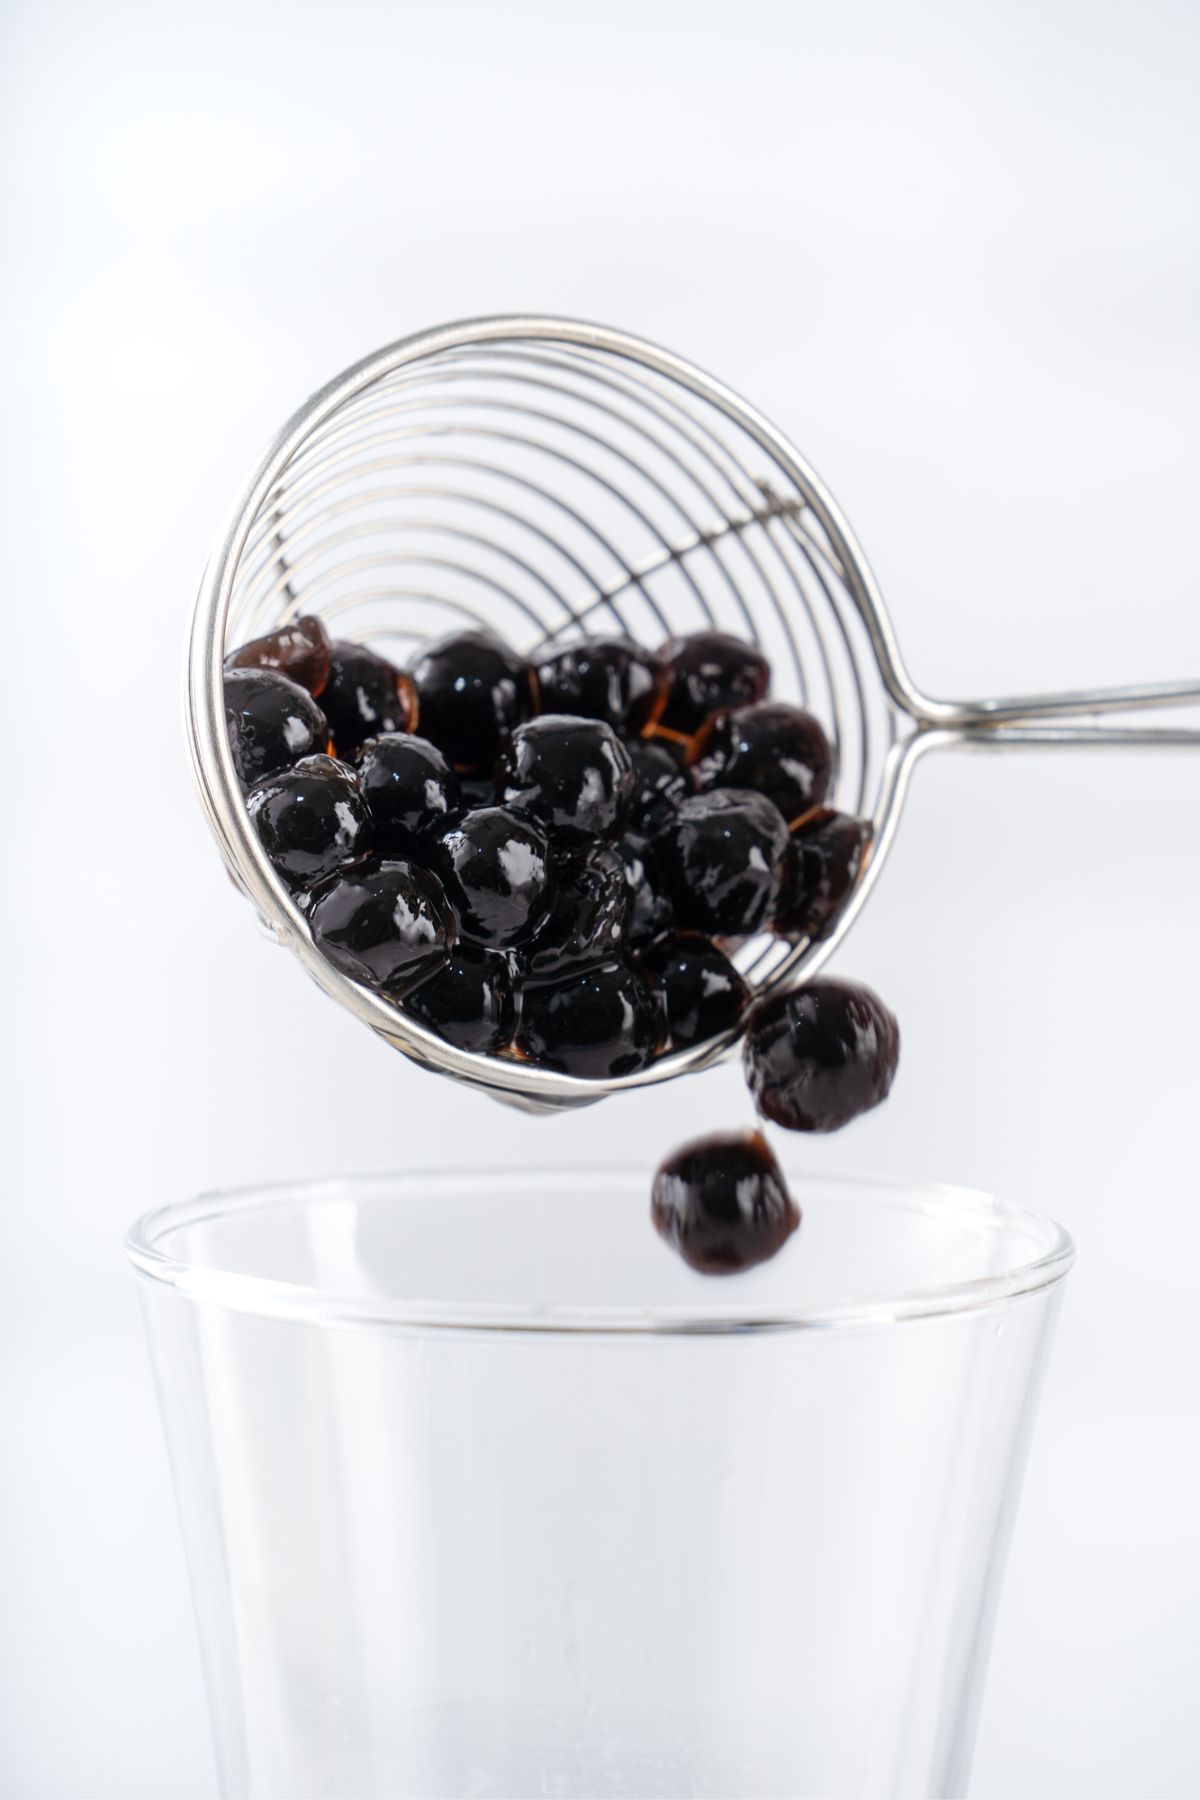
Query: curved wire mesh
point(549, 490)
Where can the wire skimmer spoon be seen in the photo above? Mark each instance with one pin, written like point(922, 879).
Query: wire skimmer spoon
point(550, 479)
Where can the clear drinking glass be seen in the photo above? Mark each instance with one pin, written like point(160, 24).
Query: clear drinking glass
point(485, 1493)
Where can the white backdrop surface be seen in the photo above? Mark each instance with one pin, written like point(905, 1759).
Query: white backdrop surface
point(955, 252)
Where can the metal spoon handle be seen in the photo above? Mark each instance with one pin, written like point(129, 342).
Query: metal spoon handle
point(1028, 719)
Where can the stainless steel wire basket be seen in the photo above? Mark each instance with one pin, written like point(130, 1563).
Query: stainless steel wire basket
point(550, 480)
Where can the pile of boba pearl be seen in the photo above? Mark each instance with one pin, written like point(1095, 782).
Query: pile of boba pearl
point(552, 858)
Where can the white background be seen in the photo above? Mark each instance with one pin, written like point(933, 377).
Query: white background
point(955, 252)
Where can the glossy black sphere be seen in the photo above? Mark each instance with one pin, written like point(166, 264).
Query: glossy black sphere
point(495, 867)
point(709, 672)
point(602, 1020)
point(777, 750)
point(272, 723)
point(612, 679)
point(586, 918)
point(472, 691)
point(365, 696)
point(385, 924)
point(468, 1001)
point(660, 785)
point(703, 993)
point(651, 910)
point(573, 774)
point(310, 819)
point(409, 789)
point(300, 650)
point(822, 866)
point(722, 1203)
point(818, 1057)
point(722, 859)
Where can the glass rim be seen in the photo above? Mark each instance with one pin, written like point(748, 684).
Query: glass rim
point(270, 1298)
